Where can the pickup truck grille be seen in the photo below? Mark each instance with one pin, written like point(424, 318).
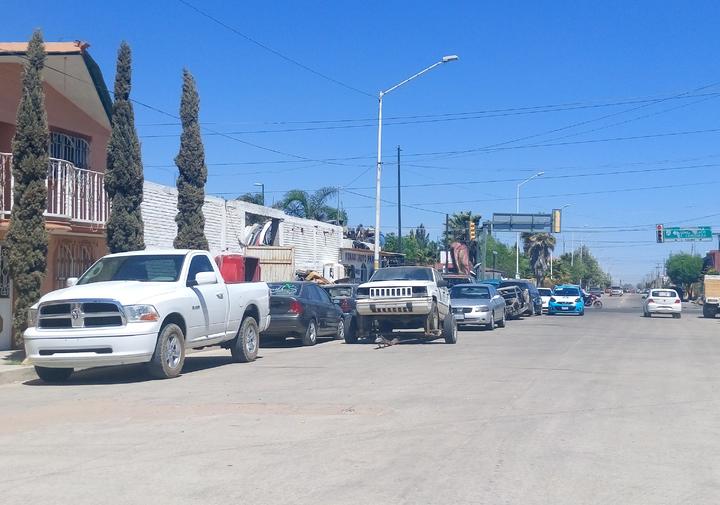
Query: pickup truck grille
point(400, 292)
point(94, 314)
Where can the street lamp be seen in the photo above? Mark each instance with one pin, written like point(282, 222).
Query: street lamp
point(378, 172)
point(494, 259)
point(517, 211)
point(263, 190)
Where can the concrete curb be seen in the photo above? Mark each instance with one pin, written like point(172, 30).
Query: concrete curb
point(17, 373)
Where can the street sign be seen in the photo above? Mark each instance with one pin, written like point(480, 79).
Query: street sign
point(691, 234)
point(522, 222)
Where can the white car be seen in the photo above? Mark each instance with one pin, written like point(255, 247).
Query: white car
point(662, 301)
point(545, 295)
point(145, 307)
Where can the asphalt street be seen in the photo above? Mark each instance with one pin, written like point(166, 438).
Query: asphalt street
point(609, 408)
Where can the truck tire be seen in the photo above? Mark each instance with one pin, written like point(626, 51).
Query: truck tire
point(53, 375)
point(351, 336)
point(244, 348)
point(450, 329)
point(709, 311)
point(169, 356)
point(432, 322)
point(310, 337)
point(340, 335)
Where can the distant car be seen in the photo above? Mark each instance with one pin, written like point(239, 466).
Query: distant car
point(303, 310)
point(477, 304)
point(662, 301)
point(455, 279)
point(596, 291)
point(533, 300)
point(566, 299)
point(344, 296)
point(616, 291)
point(545, 295)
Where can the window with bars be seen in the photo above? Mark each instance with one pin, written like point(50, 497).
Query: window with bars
point(67, 147)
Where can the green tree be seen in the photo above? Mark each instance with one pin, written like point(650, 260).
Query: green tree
point(27, 238)
point(124, 175)
point(417, 246)
point(458, 226)
point(684, 270)
point(538, 247)
point(579, 268)
point(316, 206)
point(192, 172)
point(255, 198)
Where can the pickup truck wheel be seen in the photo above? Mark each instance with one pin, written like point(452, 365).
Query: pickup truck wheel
point(245, 346)
point(432, 323)
point(53, 374)
point(169, 356)
point(310, 337)
point(450, 329)
point(340, 335)
point(351, 336)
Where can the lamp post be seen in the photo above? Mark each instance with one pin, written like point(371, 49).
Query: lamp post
point(517, 211)
point(262, 186)
point(378, 171)
point(494, 259)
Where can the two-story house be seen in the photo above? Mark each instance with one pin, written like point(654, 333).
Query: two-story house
point(78, 110)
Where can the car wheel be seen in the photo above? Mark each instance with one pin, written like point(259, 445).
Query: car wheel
point(432, 322)
point(491, 324)
point(709, 311)
point(501, 323)
point(340, 335)
point(450, 330)
point(677, 316)
point(244, 348)
point(52, 375)
point(169, 356)
point(310, 337)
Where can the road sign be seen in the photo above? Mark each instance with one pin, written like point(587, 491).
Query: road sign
point(691, 234)
point(522, 222)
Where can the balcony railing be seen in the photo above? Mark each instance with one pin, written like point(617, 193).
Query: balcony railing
point(74, 194)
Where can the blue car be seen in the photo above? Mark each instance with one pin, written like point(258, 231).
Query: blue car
point(566, 299)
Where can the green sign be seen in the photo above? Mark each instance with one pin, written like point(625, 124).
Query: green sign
point(697, 234)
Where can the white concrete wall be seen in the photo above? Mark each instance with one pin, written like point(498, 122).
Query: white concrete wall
point(315, 243)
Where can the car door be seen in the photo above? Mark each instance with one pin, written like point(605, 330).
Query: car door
point(327, 322)
point(497, 302)
point(210, 308)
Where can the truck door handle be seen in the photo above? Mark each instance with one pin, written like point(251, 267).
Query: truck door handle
point(220, 295)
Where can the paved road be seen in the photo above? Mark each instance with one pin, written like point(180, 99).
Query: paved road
point(610, 408)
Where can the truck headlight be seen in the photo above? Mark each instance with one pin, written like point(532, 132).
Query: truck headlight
point(32, 317)
point(141, 313)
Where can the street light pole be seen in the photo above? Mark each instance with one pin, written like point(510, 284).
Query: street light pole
point(517, 235)
point(262, 185)
point(378, 171)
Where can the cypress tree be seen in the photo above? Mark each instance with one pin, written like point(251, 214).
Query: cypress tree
point(27, 239)
point(124, 175)
point(193, 172)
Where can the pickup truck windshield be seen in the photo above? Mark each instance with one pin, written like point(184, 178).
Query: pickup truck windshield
point(403, 274)
point(475, 292)
point(150, 268)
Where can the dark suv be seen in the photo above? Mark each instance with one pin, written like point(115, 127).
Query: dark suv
point(533, 294)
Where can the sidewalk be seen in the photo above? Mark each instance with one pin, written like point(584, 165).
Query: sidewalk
point(12, 369)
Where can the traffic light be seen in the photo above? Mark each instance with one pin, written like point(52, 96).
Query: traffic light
point(472, 230)
point(556, 218)
point(659, 232)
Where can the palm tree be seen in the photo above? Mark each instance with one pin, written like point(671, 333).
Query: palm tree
point(538, 247)
point(458, 226)
point(300, 203)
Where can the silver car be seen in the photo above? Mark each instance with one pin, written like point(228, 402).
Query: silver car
point(477, 304)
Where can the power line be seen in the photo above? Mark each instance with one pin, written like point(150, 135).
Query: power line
point(274, 51)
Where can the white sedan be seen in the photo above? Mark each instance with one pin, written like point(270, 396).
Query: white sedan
point(662, 301)
point(545, 295)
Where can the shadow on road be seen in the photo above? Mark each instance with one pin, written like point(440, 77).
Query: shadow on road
point(289, 343)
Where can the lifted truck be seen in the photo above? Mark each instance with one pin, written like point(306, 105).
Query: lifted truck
point(405, 298)
point(145, 307)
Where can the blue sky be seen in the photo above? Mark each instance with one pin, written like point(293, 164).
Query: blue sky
point(580, 76)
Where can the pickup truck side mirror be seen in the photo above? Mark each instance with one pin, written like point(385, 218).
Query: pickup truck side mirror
point(203, 279)
point(70, 282)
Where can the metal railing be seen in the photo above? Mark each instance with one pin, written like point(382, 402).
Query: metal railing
point(74, 194)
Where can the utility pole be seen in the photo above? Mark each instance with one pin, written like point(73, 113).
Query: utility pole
point(337, 210)
point(572, 250)
point(399, 206)
point(485, 227)
point(447, 242)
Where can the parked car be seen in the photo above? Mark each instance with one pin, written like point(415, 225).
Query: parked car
point(616, 291)
point(477, 304)
point(515, 301)
point(455, 279)
point(533, 300)
point(409, 298)
point(303, 310)
point(566, 299)
point(662, 301)
point(343, 295)
point(545, 294)
point(144, 307)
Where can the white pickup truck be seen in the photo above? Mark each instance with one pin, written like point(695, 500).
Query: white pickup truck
point(405, 298)
point(145, 307)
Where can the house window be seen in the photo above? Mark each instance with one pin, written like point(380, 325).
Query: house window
point(69, 148)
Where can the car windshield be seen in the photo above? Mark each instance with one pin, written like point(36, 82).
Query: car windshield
point(545, 291)
point(285, 288)
point(566, 292)
point(665, 293)
point(340, 291)
point(616, 288)
point(143, 268)
point(403, 274)
point(475, 292)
